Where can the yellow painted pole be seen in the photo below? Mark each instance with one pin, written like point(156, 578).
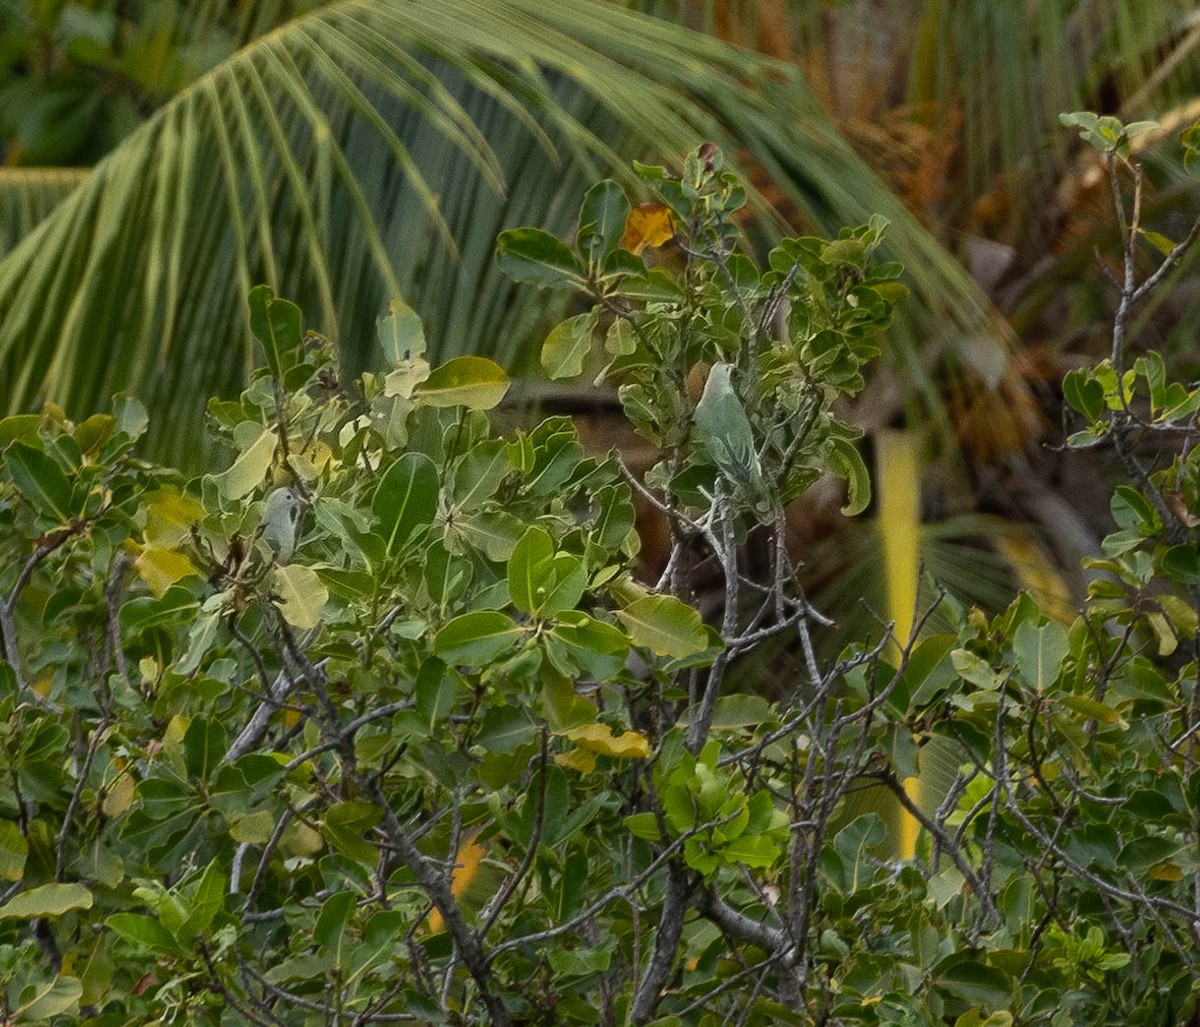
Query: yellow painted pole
point(898, 486)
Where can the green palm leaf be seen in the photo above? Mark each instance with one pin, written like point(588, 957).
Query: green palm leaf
point(27, 195)
point(365, 150)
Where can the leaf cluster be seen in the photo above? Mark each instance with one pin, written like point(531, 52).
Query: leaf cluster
point(447, 760)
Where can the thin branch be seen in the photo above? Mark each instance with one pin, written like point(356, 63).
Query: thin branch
point(666, 946)
point(496, 906)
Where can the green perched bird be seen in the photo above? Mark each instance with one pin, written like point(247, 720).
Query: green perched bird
point(725, 434)
point(281, 523)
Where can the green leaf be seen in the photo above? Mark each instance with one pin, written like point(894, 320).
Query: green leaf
point(1152, 367)
point(560, 586)
point(330, 926)
point(621, 340)
point(643, 825)
point(143, 931)
point(752, 850)
point(276, 325)
point(300, 595)
point(1040, 651)
point(976, 983)
point(664, 625)
point(1132, 510)
point(1190, 138)
point(473, 382)
point(344, 825)
point(406, 498)
point(1092, 709)
point(578, 629)
point(434, 691)
point(146, 612)
point(378, 938)
point(201, 637)
point(207, 899)
point(573, 885)
point(400, 333)
point(19, 426)
point(1178, 403)
point(1137, 128)
point(568, 345)
point(308, 966)
point(493, 532)
point(1182, 563)
point(40, 481)
point(46, 900)
point(476, 638)
point(846, 462)
point(602, 219)
point(616, 517)
point(853, 843)
point(740, 710)
point(480, 472)
point(353, 585)
point(251, 828)
point(561, 706)
point(14, 848)
point(204, 742)
point(131, 415)
point(60, 997)
point(1084, 394)
point(1142, 853)
point(505, 729)
point(532, 553)
point(533, 256)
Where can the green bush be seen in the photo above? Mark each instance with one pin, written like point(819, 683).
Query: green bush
point(375, 724)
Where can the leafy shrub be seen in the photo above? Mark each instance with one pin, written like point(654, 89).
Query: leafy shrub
point(431, 753)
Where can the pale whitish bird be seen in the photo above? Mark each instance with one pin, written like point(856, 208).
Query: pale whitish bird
point(281, 522)
point(725, 433)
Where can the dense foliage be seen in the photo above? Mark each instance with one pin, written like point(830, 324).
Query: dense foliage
point(375, 724)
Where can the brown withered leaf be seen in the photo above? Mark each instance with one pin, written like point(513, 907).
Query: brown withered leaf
point(1178, 506)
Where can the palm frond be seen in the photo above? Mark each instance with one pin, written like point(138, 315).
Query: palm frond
point(27, 195)
point(1002, 70)
point(363, 150)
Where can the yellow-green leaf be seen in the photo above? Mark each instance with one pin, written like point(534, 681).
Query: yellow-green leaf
point(161, 568)
point(95, 432)
point(59, 997)
point(567, 346)
point(252, 828)
point(474, 382)
point(13, 850)
point(19, 426)
point(1092, 709)
point(665, 626)
point(400, 333)
point(1167, 871)
point(169, 518)
point(300, 595)
point(1158, 241)
point(248, 470)
point(47, 900)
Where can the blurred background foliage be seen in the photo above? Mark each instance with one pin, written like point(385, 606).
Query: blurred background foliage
point(161, 158)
